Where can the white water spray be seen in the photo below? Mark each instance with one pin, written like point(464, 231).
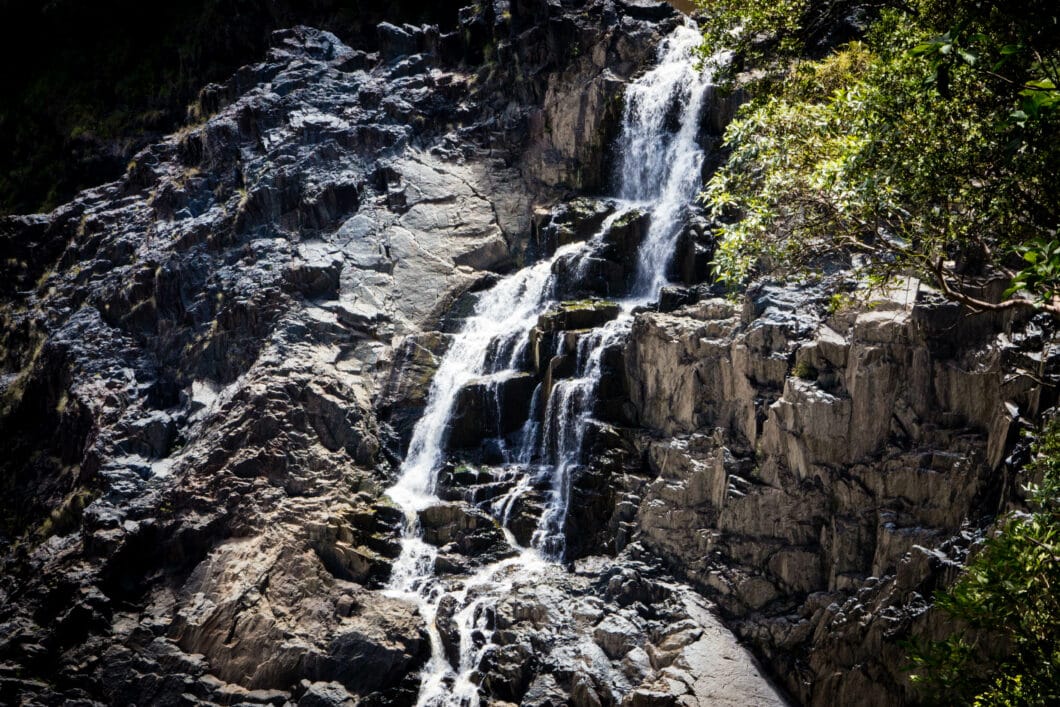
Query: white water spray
point(661, 165)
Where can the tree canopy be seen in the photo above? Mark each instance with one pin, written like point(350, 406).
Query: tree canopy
point(927, 145)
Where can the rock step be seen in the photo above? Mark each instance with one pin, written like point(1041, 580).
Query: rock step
point(490, 407)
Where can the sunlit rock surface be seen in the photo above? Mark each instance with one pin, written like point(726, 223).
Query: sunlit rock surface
point(819, 472)
point(211, 369)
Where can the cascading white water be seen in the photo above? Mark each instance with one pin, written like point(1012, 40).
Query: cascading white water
point(660, 170)
point(567, 415)
point(511, 309)
point(660, 166)
point(660, 173)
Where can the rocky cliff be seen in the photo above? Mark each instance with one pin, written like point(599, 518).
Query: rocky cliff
point(821, 472)
point(212, 366)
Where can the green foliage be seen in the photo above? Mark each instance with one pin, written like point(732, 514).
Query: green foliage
point(757, 31)
point(804, 371)
point(929, 144)
point(1041, 273)
point(1008, 650)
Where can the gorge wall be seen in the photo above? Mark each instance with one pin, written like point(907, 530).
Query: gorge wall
point(212, 368)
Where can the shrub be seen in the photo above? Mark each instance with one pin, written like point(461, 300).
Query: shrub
point(1007, 603)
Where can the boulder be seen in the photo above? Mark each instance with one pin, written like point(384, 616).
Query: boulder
point(495, 406)
point(582, 314)
point(459, 529)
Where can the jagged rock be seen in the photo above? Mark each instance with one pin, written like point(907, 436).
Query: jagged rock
point(448, 606)
point(211, 368)
point(571, 221)
point(325, 694)
point(274, 630)
point(617, 635)
point(693, 253)
point(672, 298)
point(404, 395)
point(609, 268)
point(491, 407)
point(195, 358)
point(854, 428)
point(462, 530)
point(508, 670)
point(567, 146)
point(544, 692)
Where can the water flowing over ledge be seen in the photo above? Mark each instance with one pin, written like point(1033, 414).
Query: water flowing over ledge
point(659, 173)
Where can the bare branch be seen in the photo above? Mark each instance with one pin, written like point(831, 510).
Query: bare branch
point(977, 304)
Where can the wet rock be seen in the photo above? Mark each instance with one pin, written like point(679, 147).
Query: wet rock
point(508, 670)
point(210, 367)
point(579, 115)
point(584, 314)
point(404, 395)
point(447, 628)
point(545, 692)
point(524, 515)
point(569, 222)
point(693, 253)
point(491, 407)
point(673, 298)
point(463, 530)
point(611, 264)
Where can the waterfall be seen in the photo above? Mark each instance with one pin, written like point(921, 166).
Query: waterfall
point(566, 417)
point(660, 165)
point(509, 312)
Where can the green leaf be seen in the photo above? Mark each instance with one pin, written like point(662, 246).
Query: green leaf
point(1040, 85)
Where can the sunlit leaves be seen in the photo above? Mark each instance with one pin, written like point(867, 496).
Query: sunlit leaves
point(1040, 272)
point(755, 30)
point(937, 136)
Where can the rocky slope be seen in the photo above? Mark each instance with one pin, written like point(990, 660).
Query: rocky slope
point(212, 366)
point(193, 354)
point(117, 76)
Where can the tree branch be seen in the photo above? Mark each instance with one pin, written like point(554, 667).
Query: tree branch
point(977, 304)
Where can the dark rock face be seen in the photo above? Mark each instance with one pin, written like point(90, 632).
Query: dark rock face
point(493, 407)
point(116, 77)
point(194, 357)
point(611, 266)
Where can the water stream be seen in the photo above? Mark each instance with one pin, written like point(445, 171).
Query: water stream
point(660, 165)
